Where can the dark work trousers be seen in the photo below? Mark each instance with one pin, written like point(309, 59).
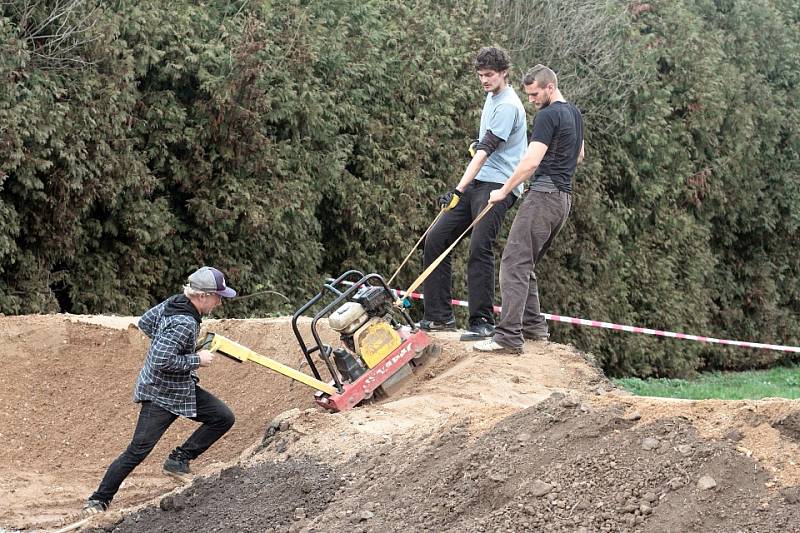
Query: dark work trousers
point(480, 268)
point(539, 219)
point(153, 421)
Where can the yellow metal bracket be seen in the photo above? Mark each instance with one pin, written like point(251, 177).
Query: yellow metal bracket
point(234, 350)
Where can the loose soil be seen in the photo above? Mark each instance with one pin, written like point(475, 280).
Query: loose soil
point(470, 442)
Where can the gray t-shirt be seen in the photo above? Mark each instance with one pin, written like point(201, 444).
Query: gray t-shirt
point(504, 115)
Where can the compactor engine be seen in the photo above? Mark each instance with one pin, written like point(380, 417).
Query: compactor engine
point(368, 333)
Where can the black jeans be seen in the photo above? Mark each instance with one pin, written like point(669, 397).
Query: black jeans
point(153, 421)
point(480, 268)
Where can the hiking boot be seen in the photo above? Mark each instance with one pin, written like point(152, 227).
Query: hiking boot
point(93, 507)
point(430, 325)
point(178, 468)
point(490, 346)
point(478, 331)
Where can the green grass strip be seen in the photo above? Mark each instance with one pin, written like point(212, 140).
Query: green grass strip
point(752, 385)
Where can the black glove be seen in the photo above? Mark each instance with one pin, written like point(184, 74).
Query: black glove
point(450, 199)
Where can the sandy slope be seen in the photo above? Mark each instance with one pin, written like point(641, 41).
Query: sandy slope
point(468, 436)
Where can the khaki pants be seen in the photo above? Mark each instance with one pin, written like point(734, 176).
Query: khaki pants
point(539, 219)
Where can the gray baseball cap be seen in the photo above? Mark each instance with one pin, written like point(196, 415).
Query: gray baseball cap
point(209, 279)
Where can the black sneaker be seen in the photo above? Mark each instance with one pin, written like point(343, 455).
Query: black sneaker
point(430, 325)
point(479, 331)
point(93, 507)
point(178, 468)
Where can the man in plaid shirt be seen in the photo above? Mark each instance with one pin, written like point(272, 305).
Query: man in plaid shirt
point(167, 385)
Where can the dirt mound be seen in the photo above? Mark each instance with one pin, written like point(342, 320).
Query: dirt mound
point(66, 387)
point(471, 443)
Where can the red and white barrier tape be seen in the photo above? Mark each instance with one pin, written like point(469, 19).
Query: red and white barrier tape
point(631, 329)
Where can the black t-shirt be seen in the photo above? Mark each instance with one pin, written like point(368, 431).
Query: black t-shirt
point(560, 127)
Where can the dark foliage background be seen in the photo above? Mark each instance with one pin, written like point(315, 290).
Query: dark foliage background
point(286, 142)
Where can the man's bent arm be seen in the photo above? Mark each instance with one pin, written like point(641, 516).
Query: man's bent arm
point(486, 147)
point(474, 166)
point(527, 165)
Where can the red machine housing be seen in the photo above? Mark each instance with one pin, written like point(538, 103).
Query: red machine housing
point(413, 348)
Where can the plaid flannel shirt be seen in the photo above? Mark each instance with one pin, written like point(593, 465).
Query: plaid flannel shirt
point(168, 376)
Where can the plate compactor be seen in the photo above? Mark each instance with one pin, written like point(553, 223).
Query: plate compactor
point(380, 344)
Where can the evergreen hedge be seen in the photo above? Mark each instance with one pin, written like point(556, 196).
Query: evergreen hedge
point(285, 142)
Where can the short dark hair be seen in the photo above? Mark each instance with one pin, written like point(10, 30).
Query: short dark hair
point(492, 58)
point(540, 74)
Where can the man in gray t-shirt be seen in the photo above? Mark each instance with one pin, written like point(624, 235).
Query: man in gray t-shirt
point(502, 143)
point(504, 117)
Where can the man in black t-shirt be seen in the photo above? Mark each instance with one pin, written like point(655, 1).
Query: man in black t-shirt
point(555, 150)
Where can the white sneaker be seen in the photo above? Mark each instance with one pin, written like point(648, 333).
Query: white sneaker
point(490, 346)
